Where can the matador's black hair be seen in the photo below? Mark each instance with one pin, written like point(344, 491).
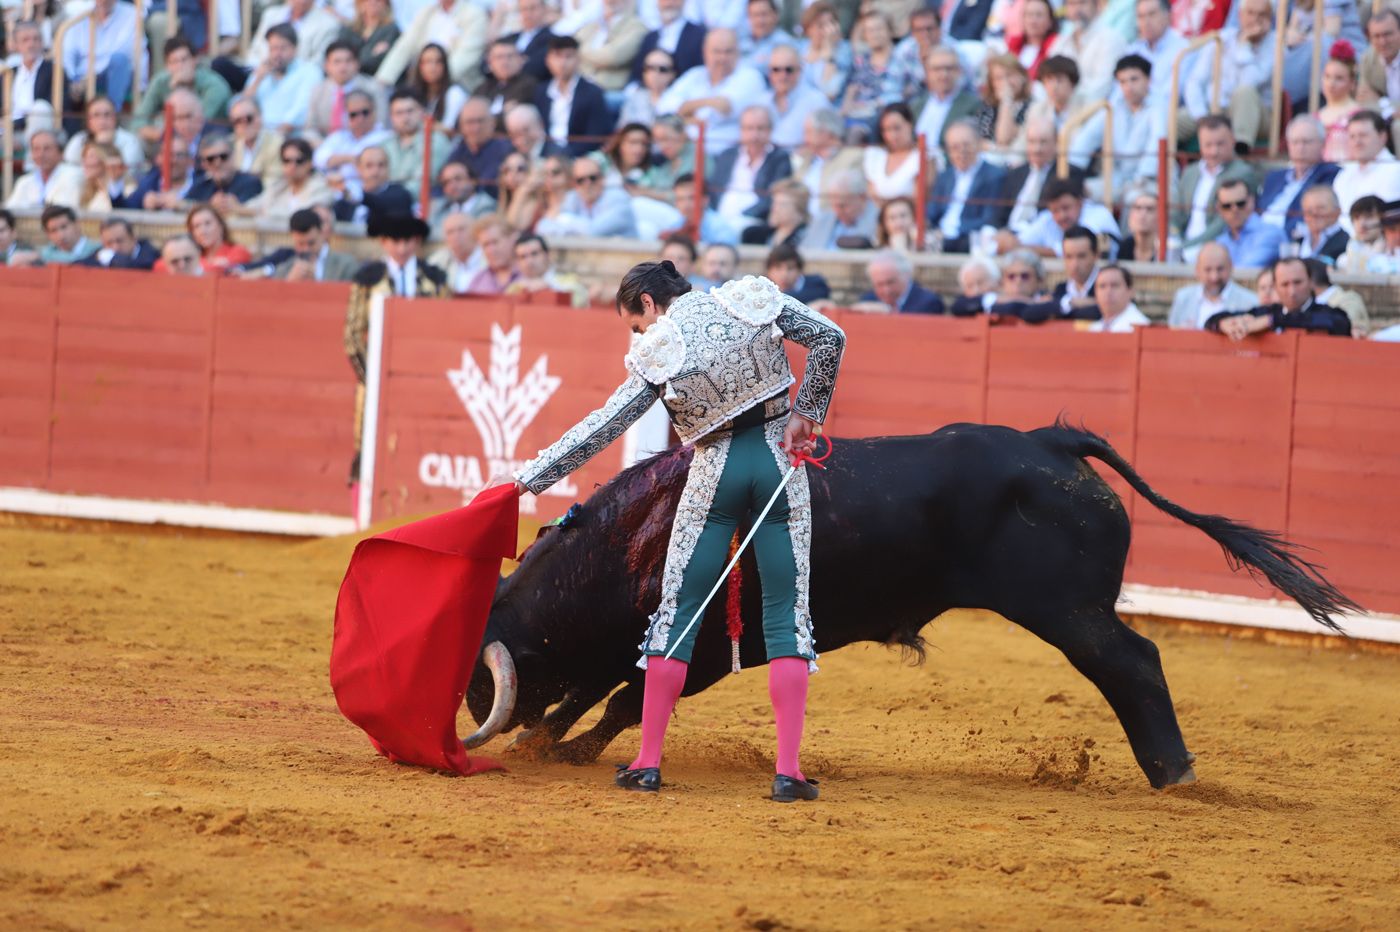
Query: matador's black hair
point(661, 280)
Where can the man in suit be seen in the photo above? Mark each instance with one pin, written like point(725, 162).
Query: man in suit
point(893, 288)
point(968, 20)
point(944, 100)
point(1297, 309)
point(33, 80)
point(574, 111)
point(965, 196)
point(608, 45)
point(121, 249)
point(1214, 291)
point(1281, 197)
point(1321, 235)
point(1193, 212)
point(507, 82)
point(459, 26)
point(532, 41)
point(1073, 298)
point(849, 218)
point(256, 150)
point(525, 130)
point(1019, 202)
point(1380, 65)
point(740, 178)
point(312, 259)
point(329, 109)
point(374, 198)
point(398, 273)
point(677, 36)
point(785, 268)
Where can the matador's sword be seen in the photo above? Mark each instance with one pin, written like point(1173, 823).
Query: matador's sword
point(797, 461)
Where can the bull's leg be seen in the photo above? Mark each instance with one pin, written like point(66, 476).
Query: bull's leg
point(1127, 669)
point(543, 739)
point(623, 711)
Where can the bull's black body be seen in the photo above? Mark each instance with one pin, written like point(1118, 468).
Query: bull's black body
point(906, 528)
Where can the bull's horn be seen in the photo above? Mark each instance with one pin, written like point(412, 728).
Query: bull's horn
point(497, 660)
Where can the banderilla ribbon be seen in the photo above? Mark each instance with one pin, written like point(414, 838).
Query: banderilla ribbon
point(797, 460)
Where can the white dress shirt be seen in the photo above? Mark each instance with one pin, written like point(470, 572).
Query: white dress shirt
point(23, 88)
point(561, 104)
point(405, 279)
point(742, 88)
point(740, 195)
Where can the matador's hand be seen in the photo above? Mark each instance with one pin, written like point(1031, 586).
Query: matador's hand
point(505, 479)
point(800, 435)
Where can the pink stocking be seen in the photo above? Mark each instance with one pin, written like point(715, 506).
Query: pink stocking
point(787, 687)
point(665, 680)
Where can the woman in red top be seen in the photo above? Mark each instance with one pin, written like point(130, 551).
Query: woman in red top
point(1039, 30)
point(208, 229)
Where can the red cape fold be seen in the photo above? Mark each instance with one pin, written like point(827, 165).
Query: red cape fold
point(408, 627)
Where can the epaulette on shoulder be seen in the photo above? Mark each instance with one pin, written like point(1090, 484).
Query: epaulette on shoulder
point(371, 273)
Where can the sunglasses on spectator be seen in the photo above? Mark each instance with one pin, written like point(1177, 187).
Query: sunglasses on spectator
point(587, 179)
point(660, 69)
point(239, 121)
point(356, 114)
point(1234, 205)
point(210, 158)
point(782, 69)
point(1018, 276)
point(294, 160)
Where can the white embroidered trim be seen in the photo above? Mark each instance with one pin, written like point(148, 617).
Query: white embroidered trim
point(658, 354)
point(753, 299)
point(799, 497)
point(706, 467)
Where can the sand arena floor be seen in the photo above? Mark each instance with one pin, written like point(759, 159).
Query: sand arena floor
point(172, 757)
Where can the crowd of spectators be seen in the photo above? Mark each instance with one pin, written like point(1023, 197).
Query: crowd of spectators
point(502, 124)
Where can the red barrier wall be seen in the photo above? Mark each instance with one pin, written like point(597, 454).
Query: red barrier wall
point(181, 389)
point(238, 393)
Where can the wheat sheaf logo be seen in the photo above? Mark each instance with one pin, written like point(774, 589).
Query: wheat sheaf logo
point(503, 404)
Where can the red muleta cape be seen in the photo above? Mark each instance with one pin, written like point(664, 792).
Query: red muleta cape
point(408, 627)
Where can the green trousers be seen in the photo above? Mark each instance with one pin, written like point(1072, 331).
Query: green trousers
point(749, 475)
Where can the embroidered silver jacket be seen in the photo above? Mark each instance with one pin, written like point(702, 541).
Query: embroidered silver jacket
point(709, 358)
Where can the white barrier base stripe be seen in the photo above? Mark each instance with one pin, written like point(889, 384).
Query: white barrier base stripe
point(184, 514)
point(1195, 605)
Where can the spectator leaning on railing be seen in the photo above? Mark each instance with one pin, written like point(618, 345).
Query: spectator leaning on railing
point(1296, 309)
point(121, 249)
point(1114, 298)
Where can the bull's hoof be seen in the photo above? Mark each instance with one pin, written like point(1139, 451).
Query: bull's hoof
point(532, 744)
point(1182, 774)
point(576, 751)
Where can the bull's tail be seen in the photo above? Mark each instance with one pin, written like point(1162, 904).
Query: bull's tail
point(1265, 553)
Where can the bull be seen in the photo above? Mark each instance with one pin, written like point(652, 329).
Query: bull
point(905, 528)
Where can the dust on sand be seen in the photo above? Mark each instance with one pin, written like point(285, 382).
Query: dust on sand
point(172, 757)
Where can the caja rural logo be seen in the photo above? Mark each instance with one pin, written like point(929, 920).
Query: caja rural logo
point(501, 405)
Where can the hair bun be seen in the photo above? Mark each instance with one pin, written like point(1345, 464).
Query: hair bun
point(1342, 50)
point(669, 266)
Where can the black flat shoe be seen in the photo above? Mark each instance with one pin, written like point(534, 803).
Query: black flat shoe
point(643, 779)
point(790, 789)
